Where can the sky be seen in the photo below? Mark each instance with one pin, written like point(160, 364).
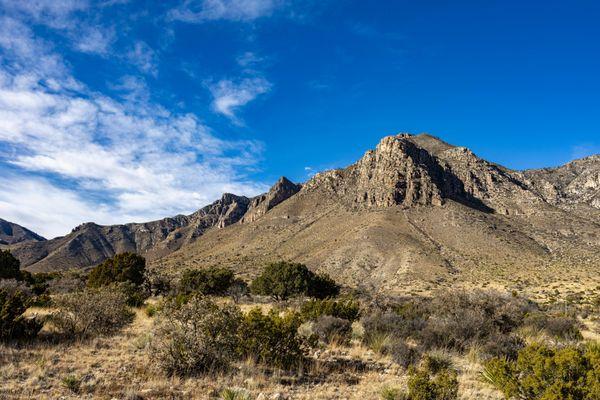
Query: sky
point(118, 111)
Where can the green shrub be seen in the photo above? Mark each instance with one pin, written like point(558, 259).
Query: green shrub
point(195, 337)
point(208, 281)
point(234, 394)
point(392, 393)
point(332, 329)
point(346, 309)
point(541, 372)
point(91, 312)
point(124, 267)
point(272, 339)
point(424, 384)
point(9, 266)
point(72, 383)
point(14, 300)
point(238, 289)
point(282, 280)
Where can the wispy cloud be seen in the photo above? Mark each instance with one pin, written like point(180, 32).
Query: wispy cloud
point(228, 96)
point(76, 154)
point(144, 57)
point(198, 11)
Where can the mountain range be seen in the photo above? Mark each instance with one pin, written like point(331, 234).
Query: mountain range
point(413, 212)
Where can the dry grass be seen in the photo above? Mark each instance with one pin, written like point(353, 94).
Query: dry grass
point(118, 367)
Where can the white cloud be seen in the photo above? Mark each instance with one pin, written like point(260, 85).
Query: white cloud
point(228, 95)
point(78, 155)
point(93, 40)
point(197, 11)
point(144, 57)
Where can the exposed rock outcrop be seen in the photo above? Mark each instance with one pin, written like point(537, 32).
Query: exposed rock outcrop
point(260, 205)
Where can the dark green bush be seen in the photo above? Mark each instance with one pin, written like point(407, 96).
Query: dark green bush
point(282, 280)
point(424, 384)
point(541, 372)
point(208, 281)
point(272, 339)
point(92, 312)
point(346, 309)
point(195, 337)
point(10, 267)
point(124, 272)
point(238, 290)
point(124, 267)
point(332, 329)
point(14, 300)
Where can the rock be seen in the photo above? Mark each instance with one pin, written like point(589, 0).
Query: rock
point(260, 205)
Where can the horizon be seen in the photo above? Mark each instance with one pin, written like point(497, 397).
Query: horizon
point(120, 111)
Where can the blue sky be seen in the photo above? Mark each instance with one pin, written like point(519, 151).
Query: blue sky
point(119, 111)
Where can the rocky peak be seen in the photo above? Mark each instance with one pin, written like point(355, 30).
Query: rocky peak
point(282, 190)
point(11, 233)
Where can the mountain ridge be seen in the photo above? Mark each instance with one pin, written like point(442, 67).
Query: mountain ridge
point(413, 207)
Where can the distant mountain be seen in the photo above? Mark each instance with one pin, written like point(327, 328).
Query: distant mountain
point(413, 212)
point(90, 244)
point(11, 233)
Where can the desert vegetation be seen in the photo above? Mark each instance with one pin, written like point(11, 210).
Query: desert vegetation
point(289, 333)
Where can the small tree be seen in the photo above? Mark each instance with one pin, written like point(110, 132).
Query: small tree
point(282, 280)
point(124, 267)
point(208, 281)
point(9, 266)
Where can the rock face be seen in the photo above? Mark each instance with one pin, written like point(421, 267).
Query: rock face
point(575, 183)
point(11, 233)
point(260, 205)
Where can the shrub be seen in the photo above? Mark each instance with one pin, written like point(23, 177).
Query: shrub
point(402, 354)
point(560, 326)
point(9, 266)
point(272, 339)
point(503, 346)
point(332, 329)
point(238, 289)
point(195, 337)
point(14, 300)
point(72, 383)
point(541, 372)
point(282, 280)
point(235, 394)
point(208, 281)
point(424, 384)
point(124, 267)
point(389, 323)
point(459, 319)
point(346, 309)
point(91, 312)
point(67, 282)
point(392, 393)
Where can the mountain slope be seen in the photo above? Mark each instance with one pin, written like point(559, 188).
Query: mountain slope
point(11, 233)
point(412, 213)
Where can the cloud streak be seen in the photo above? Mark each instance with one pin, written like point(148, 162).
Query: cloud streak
point(229, 96)
point(77, 155)
point(199, 11)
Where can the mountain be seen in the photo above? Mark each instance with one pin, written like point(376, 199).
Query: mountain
point(89, 244)
point(11, 233)
point(412, 213)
